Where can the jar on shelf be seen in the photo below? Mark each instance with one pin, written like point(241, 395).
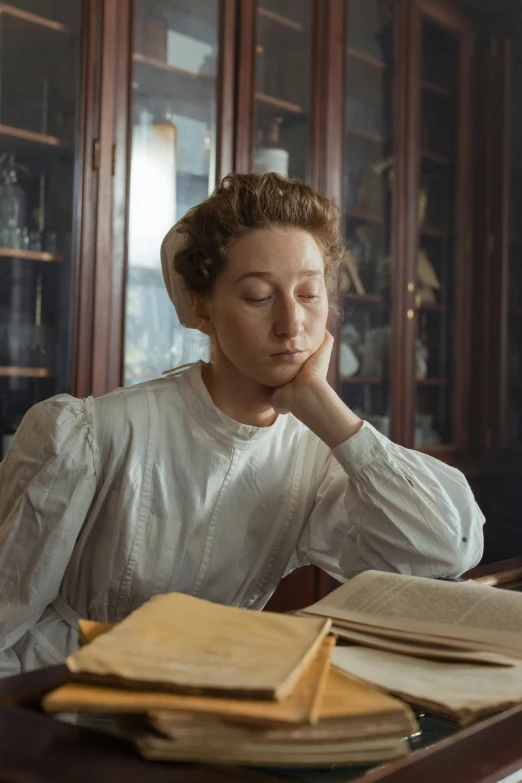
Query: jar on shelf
point(272, 156)
point(13, 204)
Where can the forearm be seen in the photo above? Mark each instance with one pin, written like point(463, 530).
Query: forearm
point(321, 409)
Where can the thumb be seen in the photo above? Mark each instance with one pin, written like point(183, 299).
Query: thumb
point(320, 360)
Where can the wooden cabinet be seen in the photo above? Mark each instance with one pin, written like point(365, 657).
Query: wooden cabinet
point(405, 112)
point(407, 207)
point(502, 238)
point(42, 138)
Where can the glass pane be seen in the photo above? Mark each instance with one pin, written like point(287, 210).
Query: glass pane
point(435, 299)
point(513, 423)
point(369, 167)
point(283, 84)
point(172, 168)
point(39, 108)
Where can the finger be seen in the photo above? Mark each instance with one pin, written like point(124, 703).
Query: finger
point(276, 404)
point(320, 360)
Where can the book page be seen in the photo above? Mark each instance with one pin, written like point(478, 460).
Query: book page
point(483, 617)
point(463, 691)
point(421, 649)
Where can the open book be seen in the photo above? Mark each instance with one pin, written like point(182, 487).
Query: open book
point(462, 692)
point(452, 621)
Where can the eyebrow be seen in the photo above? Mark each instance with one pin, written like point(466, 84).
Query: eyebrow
point(264, 275)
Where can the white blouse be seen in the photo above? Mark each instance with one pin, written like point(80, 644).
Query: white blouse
point(106, 502)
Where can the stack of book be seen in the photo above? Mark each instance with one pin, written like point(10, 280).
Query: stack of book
point(190, 680)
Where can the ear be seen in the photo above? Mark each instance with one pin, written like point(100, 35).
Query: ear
point(202, 318)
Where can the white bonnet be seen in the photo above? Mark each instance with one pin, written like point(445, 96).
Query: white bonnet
point(174, 282)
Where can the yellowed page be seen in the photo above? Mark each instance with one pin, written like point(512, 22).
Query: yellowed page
point(345, 697)
point(479, 616)
point(421, 649)
point(181, 643)
point(463, 691)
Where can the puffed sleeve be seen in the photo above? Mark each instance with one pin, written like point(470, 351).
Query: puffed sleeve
point(47, 483)
point(385, 507)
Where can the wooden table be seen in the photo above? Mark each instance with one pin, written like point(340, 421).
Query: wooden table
point(35, 748)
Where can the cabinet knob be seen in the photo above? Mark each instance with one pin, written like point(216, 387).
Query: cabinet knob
point(411, 314)
point(411, 288)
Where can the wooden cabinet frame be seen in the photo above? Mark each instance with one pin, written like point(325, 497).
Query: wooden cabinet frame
point(83, 343)
point(461, 24)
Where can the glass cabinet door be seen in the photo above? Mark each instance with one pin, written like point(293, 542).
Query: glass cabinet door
point(283, 72)
point(172, 168)
point(367, 273)
point(513, 400)
point(436, 264)
point(40, 90)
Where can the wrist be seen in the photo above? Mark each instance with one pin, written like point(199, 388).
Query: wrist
point(321, 409)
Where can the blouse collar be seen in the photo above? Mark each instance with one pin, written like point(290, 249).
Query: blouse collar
point(214, 421)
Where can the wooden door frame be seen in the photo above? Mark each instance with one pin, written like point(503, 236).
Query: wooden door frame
point(503, 18)
point(246, 25)
point(462, 23)
point(87, 190)
point(401, 353)
point(497, 249)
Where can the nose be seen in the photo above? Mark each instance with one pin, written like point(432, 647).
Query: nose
point(289, 318)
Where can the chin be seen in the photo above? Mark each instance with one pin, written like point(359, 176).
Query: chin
point(276, 376)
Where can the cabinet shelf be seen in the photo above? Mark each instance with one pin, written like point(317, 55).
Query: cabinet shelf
point(30, 137)
point(443, 160)
point(25, 372)
point(366, 58)
point(356, 215)
point(366, 380)
point(191, 93)
point(28, 16)
point(30, 255)
point(279, 103)
point(285, 21)
point(161, 65)
point(363, 134)
point(436, 89)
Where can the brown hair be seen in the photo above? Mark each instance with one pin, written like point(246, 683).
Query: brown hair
point(243, 203)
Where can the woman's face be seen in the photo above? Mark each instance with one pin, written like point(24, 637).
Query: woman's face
point(269, 308)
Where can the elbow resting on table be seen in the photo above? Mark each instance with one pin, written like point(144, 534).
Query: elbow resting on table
point(461, 543)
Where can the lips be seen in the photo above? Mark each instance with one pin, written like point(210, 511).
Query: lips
point(288, 356)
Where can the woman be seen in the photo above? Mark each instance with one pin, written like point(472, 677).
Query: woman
point(196, 482)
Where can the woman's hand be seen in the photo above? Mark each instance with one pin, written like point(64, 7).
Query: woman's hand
point(313, 401)
point(313, 373)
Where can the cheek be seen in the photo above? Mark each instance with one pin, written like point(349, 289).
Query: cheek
point(238, 325)
point(316, 323)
